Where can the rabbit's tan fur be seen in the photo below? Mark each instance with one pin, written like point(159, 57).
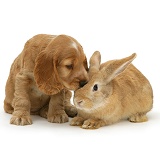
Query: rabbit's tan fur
point(116, 90)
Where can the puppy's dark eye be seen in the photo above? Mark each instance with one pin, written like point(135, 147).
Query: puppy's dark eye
point(69, 66)
point(95, 87)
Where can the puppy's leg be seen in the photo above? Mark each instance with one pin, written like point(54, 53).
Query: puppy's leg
point(21, 102)
point(7, 107)
point(56, 113)
point(44, 111)
point(69, 108)
point(9, 91)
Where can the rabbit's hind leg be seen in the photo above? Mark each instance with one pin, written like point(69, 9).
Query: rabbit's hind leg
point(137, 118)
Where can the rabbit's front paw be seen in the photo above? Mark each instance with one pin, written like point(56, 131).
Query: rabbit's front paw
point(77, 121)
point(92, 124)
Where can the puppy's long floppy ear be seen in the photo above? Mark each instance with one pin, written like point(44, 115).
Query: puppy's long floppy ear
point(94, 63)
point(115, 67)
point(45, 73)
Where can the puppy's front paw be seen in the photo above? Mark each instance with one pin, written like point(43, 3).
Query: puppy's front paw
point(44, 112)
point(58, 118)
point(92, 124)
point(77, 121)
point(21, 120)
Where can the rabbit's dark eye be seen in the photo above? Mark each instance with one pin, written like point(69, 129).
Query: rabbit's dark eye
point(95, 87)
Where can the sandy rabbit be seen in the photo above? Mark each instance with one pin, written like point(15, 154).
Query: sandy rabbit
point(116, 90)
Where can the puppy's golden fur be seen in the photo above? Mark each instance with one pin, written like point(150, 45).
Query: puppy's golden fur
point(42, 75)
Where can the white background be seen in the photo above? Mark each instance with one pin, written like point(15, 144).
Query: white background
point(117, 28)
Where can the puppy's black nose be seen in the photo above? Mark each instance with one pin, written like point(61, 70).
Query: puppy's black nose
point(82, 83)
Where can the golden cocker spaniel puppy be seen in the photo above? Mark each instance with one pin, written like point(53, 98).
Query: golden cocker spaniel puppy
point(42, 75)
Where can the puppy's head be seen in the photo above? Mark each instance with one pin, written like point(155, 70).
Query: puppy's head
point(61, 65)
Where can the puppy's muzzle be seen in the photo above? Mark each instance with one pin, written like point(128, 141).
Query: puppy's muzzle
point(82, 83)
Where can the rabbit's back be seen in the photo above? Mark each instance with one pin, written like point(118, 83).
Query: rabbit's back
point(134, 90)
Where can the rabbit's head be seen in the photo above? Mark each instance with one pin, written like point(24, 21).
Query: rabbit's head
point(100, 86)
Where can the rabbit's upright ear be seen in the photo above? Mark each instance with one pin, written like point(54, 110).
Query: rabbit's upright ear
point(94, 63)
point(115, 67)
